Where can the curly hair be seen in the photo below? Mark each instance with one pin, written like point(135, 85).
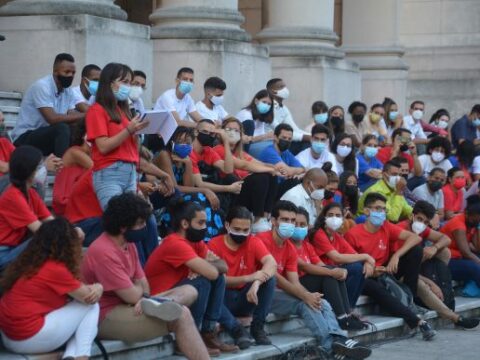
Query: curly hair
point(123, 211)
point(55, 240)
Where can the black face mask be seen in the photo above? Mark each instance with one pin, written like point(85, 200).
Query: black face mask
point(238, 238)
point(358, 117)
point(435, 185)
point(196, 235)
point(283, 145)
point(351, 190)
point(403, 147)
point(336, 121)
point(205, 140)
point(328, 194)
point(65, 81)
point(137, 235)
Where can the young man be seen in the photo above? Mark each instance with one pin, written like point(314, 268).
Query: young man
point(86, 91)
point(127, 310)
point(466, 128)
point(376, 237)
point(413, 122)
point(432, 191)
point(184, 259)
point(404, 173)
point(319, 151)
point(178, 100)
point(210, 107)
point(139, 84)
point(250, 278)
point(292, 298)
point(46, 110)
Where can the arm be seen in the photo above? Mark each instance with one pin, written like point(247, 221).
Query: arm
point(4, 167)
point(107, 144)
point(338, 258)
point(134, 293)
point(87, 294)
point(53, 118)
point(439, 240)
point(252, 166)
point(291, 286)
point(314, 269)
point(269, 269)
point(195, 115)
point(203, 268)
point(34, 226)
point(417, 167)
point(460, 237)
point(197, 180)
point(181, 122)
point(82, 107)
point(80, 158)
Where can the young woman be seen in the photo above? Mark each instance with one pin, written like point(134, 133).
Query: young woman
point(22, 211)
point(392, 118)
point(112, 132)
point(375, 123)
point(438, 124)
point(348, 188)
point(438, 152)
point(319, 115)
point(316, 277)
point(453, 192)
point(370, 168)
point(463, 159)
point(40, 283)
point(336, 120)
point(342, 148)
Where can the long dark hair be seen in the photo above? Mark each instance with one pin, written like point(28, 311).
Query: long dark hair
point(23, 164)
point(78, 133)
point(340, 129)
point(348, 201)
point(349, 162)
point(437, 114)
point(267, 117)
point(320, 221)
point(466, 153)
point(105, 96)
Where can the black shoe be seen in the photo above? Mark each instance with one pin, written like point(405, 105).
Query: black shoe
point(355, 323)
point(467, 323)
point(257, 331)
point(343, 323)
point(241, 337)
point(427, 332)
point(350, 348)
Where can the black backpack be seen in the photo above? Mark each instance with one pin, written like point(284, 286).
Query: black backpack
point(437, 271)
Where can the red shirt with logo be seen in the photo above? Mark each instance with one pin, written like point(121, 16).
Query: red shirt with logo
point(307, 254)
point(285, 255)
point(323, 245)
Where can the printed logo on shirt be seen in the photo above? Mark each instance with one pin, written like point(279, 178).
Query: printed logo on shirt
point(243, 266)
point(381, 245)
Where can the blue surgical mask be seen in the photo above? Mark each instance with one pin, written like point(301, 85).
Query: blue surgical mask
point(321, 118)
point(285, 230)
point(122, 93)
point(392, 115)
point(377, 218)
point(476, 122)
point(182, 150)
point(92, 87)
point(300, 233)
point(185, 87)
point(318, 146)
point(371, 151)
point(263, 108)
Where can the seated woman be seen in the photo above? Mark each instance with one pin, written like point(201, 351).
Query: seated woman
point(375, 123)
point(316, 277)
point(438, 124)
point(336, 121)
point(76, 161)
point(22, 211)
point(393, 119)
point(319, 115)
point(349, 195)
point(342, 148)
point(42, 282)
point(453, 192)
point(370, 168)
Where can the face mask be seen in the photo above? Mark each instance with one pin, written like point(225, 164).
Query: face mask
point(283, 145)
point(351, 190)
point(122, 93)
point(65, 81)
point(238, 238)
point(334, 223)
point(285, 230)
point(262, 107)
point(205, 139)
point(196, 235)
point(137, 235)
point(336, 121)
point(476, 122)
point(328, 194)
point(182, 150)
point(437, 156)
point(371, 151)
point(417, 115)
point(233, 136)
point(459, 183)
point(40, 175)
point(300, 233)
point(377, 218)
point(403, 147)
point(185, 87)
point(283, 93)
point(92, 87)
point(442, 124)
point(217, 100)
point(375, 118)
point(435, 185)
point(317, 194)
point(318, 146)
point(392, 115)
point(418, 227)
point(344, 150)
point(321, 118)
point(393, 180)
point(357, 118)
point(135, 93)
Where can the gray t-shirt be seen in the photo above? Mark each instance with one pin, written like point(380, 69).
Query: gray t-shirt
point(43, 93)
point(423, 193)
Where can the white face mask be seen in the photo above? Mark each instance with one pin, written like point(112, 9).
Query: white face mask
point(317, 194)
point(443, 124)
point(233, 136)
point(343, 150)
point(334, 223)
point(437, 156)
point(417, 114)
point(283, 93)
point(217, 100)
point(135, 93)
point(393, 180)
point(418, 227)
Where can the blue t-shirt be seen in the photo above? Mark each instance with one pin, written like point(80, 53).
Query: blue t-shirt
point(270, 155)
point(365, 181)
point(463, 129)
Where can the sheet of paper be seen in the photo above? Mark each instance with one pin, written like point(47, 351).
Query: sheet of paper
point(161, 123)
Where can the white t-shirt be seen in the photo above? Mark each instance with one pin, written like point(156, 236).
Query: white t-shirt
point(308, 161)
point(79, 98)
point(339, 166)
point(415, 127)
point(436, 199)
point(282, 115)
point(246, 114)
point(217, 114)
point(298, 195)
point(428, 165)
point(168, 101)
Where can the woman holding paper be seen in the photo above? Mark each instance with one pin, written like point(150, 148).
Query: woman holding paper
point(111, 130)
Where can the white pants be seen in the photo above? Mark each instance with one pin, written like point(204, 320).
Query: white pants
point(75, 324)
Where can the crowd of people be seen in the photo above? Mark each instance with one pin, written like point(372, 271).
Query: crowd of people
point(233, 216)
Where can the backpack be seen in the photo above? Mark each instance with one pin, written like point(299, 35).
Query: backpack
point(437, 271)
point(399, 291)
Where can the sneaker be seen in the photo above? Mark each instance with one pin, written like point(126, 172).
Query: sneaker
point(261, 225)
point(257, 330)
point(343, 323)
point(161, 308)
point(351, 349)
point(241, 337)
point(213, 342)
point(427, 332)
point(467, 323)
point(355, 323)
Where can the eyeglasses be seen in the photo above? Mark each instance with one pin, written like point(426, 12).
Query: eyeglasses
point(379, 209)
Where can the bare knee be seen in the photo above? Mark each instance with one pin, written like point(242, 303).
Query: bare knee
point(184, 321)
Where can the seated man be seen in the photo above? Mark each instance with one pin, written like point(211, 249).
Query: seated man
point(391, 186)
point(466, 128)
point(432, 192)
point(250, 278)
point(139, 84)
point(377, 237)
point(413, 122)
point(86, 91)
point(184, 259)
point(407, 194)
point(46, 110)
point(319, 151)
point(127, 312)
point(210, 107)
point(293, 299)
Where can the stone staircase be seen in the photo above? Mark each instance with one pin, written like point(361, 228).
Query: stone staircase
point(10, 105)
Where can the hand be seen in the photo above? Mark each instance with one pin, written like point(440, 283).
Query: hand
point(222, 135)
point(413, 149)
point(314, 300)
point(368, 269)
point(429, 252)
point(247, 139)
point(339, 274)
point(53, 163)
point(252, 293)
point(168, 182)
point(379, 270)
point(176, 158)
point(435, 222)
point(282, 168)
point(435, 289)
point(401, 185)
point(259, 276)
point(192, 275)
point(136, 125)
point(80, 234)
point(96, 291)
point(396, 147)
point(212, 199)
point(392, 266)
point(375, 173)
point(370, 260)
point(211, 256)
point(146, 188)
point(137, 309)
point(236, 187)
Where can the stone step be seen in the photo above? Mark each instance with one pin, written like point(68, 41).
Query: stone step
point(11, 114)
point(10, 98)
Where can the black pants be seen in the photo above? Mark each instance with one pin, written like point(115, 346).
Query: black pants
point(334, 291)
point(258, 193)
point(48, 139)
point(409, 268)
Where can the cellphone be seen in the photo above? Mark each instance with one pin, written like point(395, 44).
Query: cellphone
point(143, 116)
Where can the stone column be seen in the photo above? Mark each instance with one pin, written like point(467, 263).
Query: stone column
point(370, 37)
point(301, 40)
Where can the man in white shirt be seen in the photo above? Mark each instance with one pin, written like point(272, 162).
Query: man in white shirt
point(319, 153)
point(309, 193)
point(413, 123)
point(178, 100)
point(139, 84)
point(86, 91)
point(211, 105)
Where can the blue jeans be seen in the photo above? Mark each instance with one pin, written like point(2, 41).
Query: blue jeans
point(354, 282)
point(322, 323)
point(114, 180)
point(236, 304)
point(10, 253)
point(464, 270)
point(92, 227)
point(206, 310)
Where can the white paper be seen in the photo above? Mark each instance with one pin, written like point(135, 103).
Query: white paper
point(159, 122)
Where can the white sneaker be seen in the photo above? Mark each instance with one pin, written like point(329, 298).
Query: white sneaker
point(165, 310)
point(261, 225)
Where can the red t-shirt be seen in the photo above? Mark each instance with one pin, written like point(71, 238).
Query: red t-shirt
point(385, 153)
point(379, 245)
point(83, 202)
point(323, 245)
point(241, 174)
point(99, 124)
point(245, 260)
point(405, 225)
point(457, 223)
point(65, 180)
point(285, 256)
point(307, 254)
point(114, 267)
point(208, 156)
point(16, 212)
point(6, 149)
point(453, 202)
point(166, 266)
point(23, 308)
